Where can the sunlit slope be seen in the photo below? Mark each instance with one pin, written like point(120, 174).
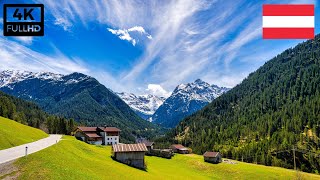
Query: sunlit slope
point(14, 134)
point(73, 159)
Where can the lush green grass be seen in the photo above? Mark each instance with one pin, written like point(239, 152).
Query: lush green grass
point(73, 159)
point(14, 134)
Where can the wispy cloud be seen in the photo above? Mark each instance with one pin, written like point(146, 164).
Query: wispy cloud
point(124, 34)
point(24, 39)
point(190, 39)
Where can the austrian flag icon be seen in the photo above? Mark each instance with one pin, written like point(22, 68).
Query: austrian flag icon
point(288, 21)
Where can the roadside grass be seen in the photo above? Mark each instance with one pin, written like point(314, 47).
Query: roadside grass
point(14, 134)
point(73, 159)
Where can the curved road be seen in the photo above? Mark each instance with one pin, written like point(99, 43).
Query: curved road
point(20, 151)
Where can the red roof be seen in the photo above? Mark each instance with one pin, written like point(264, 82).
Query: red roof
point(109, 129)
point(211, 154)
point(129, 147)
point(177, 146)
point(93, 135)
point(88, 129)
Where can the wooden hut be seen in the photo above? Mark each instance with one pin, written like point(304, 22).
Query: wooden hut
point(178, 148)
point(131, 154)
point(212, 157)
point(149, 145)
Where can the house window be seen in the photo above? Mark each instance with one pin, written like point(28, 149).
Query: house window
point(107, 138)
point(115, 138)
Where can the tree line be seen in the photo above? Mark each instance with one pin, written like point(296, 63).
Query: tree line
point(30, 114)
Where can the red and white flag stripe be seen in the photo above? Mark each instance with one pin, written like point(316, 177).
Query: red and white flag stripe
point(288, 21)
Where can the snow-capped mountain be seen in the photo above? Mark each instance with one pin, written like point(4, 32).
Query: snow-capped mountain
point(76, 96)
point(10, 77)
point(143, 105)
point(185, 100)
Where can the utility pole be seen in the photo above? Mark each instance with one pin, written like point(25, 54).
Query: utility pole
point(294, 158)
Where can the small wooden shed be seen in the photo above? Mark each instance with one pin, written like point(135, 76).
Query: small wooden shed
point(131, 154)
point(149, 145)
point(178, 148)
point(212, 157)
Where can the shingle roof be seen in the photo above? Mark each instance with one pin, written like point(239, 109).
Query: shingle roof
point(129, 147)
point(109, 129)
point(88, 129)
point(93, 135)
point(177, 146)
point(211, 154)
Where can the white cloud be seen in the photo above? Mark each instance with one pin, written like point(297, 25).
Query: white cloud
point(157, 90)
point(24, 39)
point(124, 34)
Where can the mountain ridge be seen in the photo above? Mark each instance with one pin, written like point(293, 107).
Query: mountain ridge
point(185, 100)
point(77, 96)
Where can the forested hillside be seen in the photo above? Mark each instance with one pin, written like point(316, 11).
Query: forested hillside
point(79, 97)
point(30, 114)
point(275, 109)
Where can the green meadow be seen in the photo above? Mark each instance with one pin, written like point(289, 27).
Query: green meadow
point(14, 134)
point(73, 159)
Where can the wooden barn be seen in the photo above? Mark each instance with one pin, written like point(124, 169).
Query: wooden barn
point(149, 145)
point(131, 154)
point(178, 148)
point(212, 157)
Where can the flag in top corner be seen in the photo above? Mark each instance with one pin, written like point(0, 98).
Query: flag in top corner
point(288, 21)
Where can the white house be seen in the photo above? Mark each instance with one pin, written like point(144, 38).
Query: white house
point(110, 135)
point(98, 135)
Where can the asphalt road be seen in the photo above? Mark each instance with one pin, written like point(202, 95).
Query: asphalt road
point(20, 151)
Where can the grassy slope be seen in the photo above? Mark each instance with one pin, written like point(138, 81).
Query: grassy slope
point(72, 159)
point(14, 134)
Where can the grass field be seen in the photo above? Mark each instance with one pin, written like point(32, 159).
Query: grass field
point(73, 159)
point(14, 134)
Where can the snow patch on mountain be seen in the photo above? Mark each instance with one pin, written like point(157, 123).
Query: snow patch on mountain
point(185, 100)
point(144, 104)
point(10, 77)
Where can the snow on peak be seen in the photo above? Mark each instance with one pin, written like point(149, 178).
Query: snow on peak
point(146, 104)
point(8, 77)
point(199, 90)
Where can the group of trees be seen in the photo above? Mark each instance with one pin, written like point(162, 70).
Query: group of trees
point(274, 110)
point(30, 114)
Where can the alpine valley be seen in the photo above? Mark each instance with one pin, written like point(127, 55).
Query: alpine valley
point(271, 118)
point(76, 96)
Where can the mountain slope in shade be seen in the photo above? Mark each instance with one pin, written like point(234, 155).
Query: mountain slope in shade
point(143, 105)
point(185, 100)
point(75, 96)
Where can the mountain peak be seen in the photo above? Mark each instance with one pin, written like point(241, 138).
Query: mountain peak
point(185, 100)
point(144, 105)
point(199, 81)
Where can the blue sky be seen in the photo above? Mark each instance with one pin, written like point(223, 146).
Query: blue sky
point(148, 46)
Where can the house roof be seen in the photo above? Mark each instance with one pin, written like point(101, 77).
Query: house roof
point(93, 135)
point(129, 147)
point(109, 129)
point(148, 143)
point(177, 146)
point(211, 154)
point(94, 129)
point(88, 129)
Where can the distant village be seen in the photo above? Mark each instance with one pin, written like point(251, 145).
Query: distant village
point(133, 154)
